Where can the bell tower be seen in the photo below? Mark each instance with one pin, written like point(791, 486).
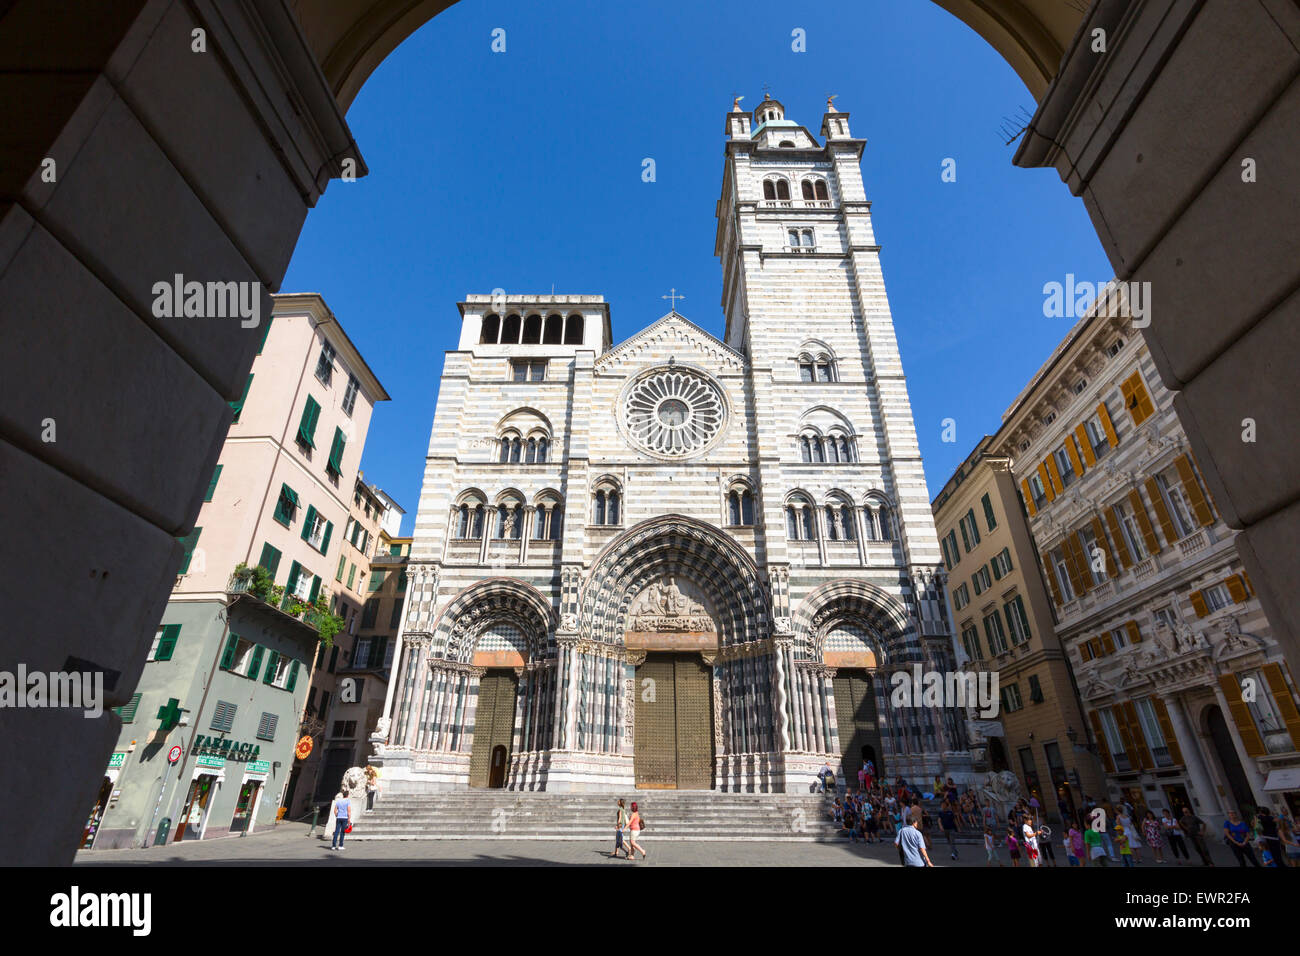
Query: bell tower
point(804, 299)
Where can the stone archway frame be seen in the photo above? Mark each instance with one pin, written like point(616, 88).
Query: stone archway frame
point(687, 548)
point(859, 602)
point(462, 621)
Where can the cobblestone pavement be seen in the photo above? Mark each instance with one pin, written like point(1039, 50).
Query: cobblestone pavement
point(289, 845)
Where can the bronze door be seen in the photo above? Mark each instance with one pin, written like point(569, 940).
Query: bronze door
point(673, 744)
point(494, 727)
point(855, 719)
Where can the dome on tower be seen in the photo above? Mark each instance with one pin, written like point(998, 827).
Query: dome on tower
point(770, 112)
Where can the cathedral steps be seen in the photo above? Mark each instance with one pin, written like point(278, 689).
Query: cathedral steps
point(671, 814)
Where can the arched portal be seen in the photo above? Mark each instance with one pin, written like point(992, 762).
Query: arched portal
point(851, 637)
point(1226, 756)
point(683, 602)
point(476, 695)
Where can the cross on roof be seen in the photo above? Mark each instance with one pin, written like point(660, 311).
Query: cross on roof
point(673, 296)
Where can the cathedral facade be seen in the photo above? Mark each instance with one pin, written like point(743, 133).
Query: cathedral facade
point(680, 561)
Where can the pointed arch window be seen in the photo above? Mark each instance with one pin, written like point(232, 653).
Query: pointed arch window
point(850, 526)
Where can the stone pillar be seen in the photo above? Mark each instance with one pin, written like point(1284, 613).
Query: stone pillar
point(781, 648)
point(1205, 797)
point(1248, 765)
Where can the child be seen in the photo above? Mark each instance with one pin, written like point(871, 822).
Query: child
point(990, 848)
point(1069, 849)
point(1121, 843)
point(1265, 854)
point(1013, 846)
point(1096, 852)
point(1077, 845)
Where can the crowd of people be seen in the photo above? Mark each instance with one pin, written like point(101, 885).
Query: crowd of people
point(1098, 834)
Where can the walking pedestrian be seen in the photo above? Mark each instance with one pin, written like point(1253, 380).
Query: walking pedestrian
point(1173, 833)
point(990, 848)
point(1013, 845)
point(911, 844)
point(634, 827)
point(341, 814)
point(1237, 835)
point(948, 820)
point(1030, 840)
point(1193, 828)
point(620, 826)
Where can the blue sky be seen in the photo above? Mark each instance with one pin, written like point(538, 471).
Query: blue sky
point(522, 170)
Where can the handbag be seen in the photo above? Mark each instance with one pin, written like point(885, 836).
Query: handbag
point(348, 828)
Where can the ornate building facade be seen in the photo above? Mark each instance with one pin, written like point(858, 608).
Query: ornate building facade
point(681, 561)
point(1188, 696)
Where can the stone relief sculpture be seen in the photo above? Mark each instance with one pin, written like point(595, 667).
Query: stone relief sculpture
point(1002, 788)
point(663, 606)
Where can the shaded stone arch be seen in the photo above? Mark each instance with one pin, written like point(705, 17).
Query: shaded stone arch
point(861, 604)
point(461, 623)
point(687, 548)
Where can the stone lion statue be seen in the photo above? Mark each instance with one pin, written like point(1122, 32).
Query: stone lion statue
point(1002, 788)
point(354, 783)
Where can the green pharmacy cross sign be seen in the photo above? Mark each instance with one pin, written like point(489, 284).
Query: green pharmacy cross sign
point(170, 714)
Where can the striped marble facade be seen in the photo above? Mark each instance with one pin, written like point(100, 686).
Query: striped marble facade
point(853, 581)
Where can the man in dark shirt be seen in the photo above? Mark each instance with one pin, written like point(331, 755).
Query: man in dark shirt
point(948, 820)
point(1194, 827)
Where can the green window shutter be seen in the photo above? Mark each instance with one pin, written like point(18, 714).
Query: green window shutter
point(376, 580)
point(965, 538)
point(988, 513)
point(189, 542)
point(238, 405)
point(308, 521)
point(293, 677)
point(127, 710)
point(997, 569)
point(256, 664)
point(343, 560)
point(167, 643)
point(289, 588)
point(336, 452)
point(266, 330)
point(286, 505)
point(401, 580)
point(270, 559)
point(325, 541)
point(1024, 618)
point(974, 528)
point(272, 660)
point(315, 589)
point(228, 655)
point(212, 485)
point(307, 426)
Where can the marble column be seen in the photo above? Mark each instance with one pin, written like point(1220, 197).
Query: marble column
point(1205, 797)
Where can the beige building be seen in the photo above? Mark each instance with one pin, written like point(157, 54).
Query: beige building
point(361, 541)
point(1187, 693)
point(227, 674)
point(1004, 621)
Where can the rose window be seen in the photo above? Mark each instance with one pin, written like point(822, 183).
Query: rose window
point(673, 412)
